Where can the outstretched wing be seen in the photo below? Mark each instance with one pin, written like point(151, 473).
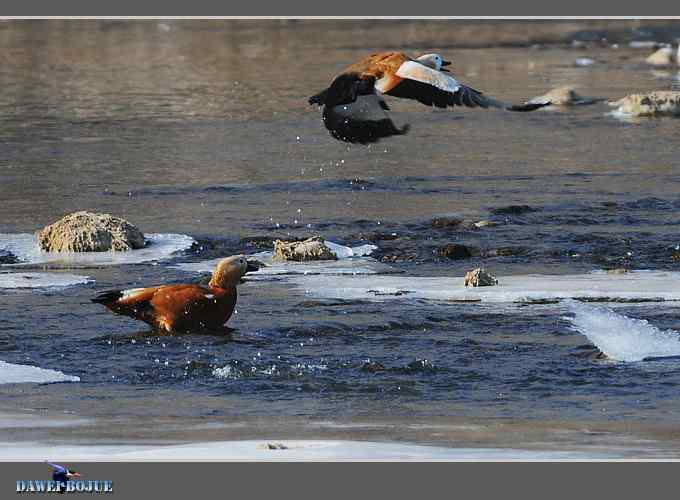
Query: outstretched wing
point(353, 112)
point(436, 88)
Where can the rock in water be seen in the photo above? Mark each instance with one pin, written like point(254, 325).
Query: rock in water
point(665, 56)
point(480, 277)
point(513, 210)
point(657, 103)
point(7, 257)
point(312, 248)
point(90, 232)
point(618, 270)
point(455, 251)
point(564, 96)
point(485, 223)
point(445, 222)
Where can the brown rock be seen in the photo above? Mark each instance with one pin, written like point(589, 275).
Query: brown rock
point(665, 56)
point(507, 252)
point(480, 277)
point(563, 96)
point(442, 222)
point(513, 210)
point(372, 367)
point(312, 248)
point(455, 251)
point(618, 270)
point(656, 103)
point(90, 232)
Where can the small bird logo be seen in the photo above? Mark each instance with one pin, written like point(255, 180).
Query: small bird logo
point(62, 475)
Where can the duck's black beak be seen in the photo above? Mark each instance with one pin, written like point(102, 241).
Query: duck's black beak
point(252, 266)
point(446, 63)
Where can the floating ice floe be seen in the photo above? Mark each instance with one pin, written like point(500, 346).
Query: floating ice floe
point(20, 374)
point(351, 260)
point(41, 280)
point(640, 286)
point(343, 252)
point(282, 450)
point(622, 338)
point(160, 246)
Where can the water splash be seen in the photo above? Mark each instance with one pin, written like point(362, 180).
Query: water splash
point(622, 338)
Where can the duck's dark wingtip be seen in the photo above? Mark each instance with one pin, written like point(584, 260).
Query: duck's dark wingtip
point(527, 106)
point(107, 297)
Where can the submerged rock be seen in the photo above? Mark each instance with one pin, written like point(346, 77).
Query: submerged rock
point(379, 236)
point(273, 446)
point(259, 242)
point(398, 257)
point(480, 277)
point(656, 103)
point(617, 270)
point(313, 248)
point(665, 56)
point(443, 222)
point(90, 232)
point(372, 367)
point(513, 210)
point(7, 257)
point(455, 251)
point(563, 96)
point(675, 255)
point(507, 252)
point(591, 352)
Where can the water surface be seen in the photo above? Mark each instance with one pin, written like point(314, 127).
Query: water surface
point(204, 130)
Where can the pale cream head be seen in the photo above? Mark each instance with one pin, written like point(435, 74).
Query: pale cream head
point(229, 271)
point(434, 61)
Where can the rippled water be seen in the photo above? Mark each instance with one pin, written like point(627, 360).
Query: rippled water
point(204, 130)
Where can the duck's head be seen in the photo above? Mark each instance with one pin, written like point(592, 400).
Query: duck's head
point(434, 61)
point(229, 271)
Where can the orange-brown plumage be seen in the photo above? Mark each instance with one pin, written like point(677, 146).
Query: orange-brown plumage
point(380, 65)
point(354, 109)
point(184, 307)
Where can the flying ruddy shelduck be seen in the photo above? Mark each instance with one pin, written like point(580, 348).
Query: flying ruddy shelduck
point(354, 110)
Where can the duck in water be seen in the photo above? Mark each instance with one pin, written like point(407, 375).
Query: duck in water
point(186, 307)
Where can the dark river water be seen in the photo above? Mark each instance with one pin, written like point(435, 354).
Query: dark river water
point(204, 130)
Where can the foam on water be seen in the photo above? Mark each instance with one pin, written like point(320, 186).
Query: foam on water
point(351, 260)
point(652, 286)
point(41, 280)
point(160, 246)
point(21, 374)
point(622, 338)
